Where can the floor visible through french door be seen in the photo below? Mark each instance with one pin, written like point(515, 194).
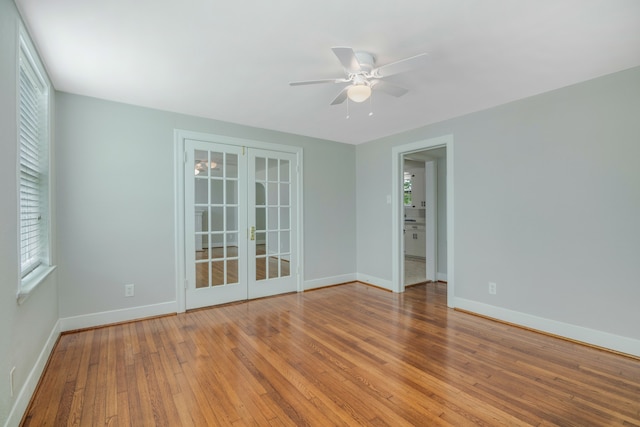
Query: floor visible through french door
point(240, 223)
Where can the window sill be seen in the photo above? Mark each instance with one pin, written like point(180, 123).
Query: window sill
point(32, 281)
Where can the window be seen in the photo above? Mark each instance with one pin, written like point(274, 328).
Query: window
point(33, 141)
point(407, 188)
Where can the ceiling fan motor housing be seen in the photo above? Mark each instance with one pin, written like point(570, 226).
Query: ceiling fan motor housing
point(366, 61)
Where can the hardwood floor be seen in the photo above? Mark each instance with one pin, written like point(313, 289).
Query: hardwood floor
point(345, 355)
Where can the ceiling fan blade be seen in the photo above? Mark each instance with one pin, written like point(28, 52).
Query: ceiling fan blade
point(347, 58)
point(389, 88)
point(341, 96)
point(313, 82)
point(401, 66)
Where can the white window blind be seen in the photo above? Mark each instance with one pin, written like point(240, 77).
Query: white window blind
point(33, 141)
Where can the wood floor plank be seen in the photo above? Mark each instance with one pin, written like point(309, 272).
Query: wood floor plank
point(340, 356)
point(190, 409)
point(259, 357)
point(89, 396)
point(123, 418)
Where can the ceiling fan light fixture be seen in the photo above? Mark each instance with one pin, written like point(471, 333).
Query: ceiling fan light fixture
point(359, 93)
point(203, 165)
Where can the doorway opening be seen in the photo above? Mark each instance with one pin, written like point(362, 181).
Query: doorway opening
point(422, 240)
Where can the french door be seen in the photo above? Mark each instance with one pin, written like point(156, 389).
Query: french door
point(272, 221)
point(240, 223)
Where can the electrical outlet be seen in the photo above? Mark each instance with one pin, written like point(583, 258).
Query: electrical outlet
point(13, 370)
point(128, 290)
point(492, 288)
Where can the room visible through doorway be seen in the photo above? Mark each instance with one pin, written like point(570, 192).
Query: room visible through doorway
point(420, 214)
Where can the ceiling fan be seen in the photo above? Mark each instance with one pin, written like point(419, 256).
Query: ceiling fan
point(363, 76)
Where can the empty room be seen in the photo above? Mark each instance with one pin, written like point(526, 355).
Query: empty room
point(320, 213)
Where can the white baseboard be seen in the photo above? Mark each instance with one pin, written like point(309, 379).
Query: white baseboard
point(578, 333)
point(376, 281)
point(26, 392)
point(116, 316)
point(329, 281)
point(441, 277)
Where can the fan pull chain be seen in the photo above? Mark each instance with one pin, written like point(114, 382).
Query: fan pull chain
point(347, 108)
point(370, 107)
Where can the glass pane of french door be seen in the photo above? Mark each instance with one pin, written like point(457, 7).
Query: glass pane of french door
point(271, 209)
point(215, 192)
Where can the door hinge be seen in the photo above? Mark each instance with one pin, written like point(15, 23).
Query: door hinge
point(185, 157)
point(243, 150)
point(186, 283)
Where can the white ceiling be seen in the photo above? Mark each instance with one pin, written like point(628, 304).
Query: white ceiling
point(233, 60)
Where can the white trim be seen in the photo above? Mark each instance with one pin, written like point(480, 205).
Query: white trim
point(376, 281)
point(431, 218)
point(116, 316)
point(29, 387)
point(397, 223)
point(300, 239)
point(239, 142)
point(178, 230)
point(24, 39)
point(32, 281)
point(180, 136)
point(329, 281)
point(441, 277)
point(450, 229)
point(566, 330)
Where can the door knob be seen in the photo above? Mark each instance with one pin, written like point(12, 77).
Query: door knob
point(252, 233)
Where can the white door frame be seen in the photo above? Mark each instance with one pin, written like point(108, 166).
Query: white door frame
point(431, 222)
point(397, 169)
point(179, 202)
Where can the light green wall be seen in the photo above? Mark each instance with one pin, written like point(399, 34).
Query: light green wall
point(116, 202)
point(25, 328)
point(547, 203)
